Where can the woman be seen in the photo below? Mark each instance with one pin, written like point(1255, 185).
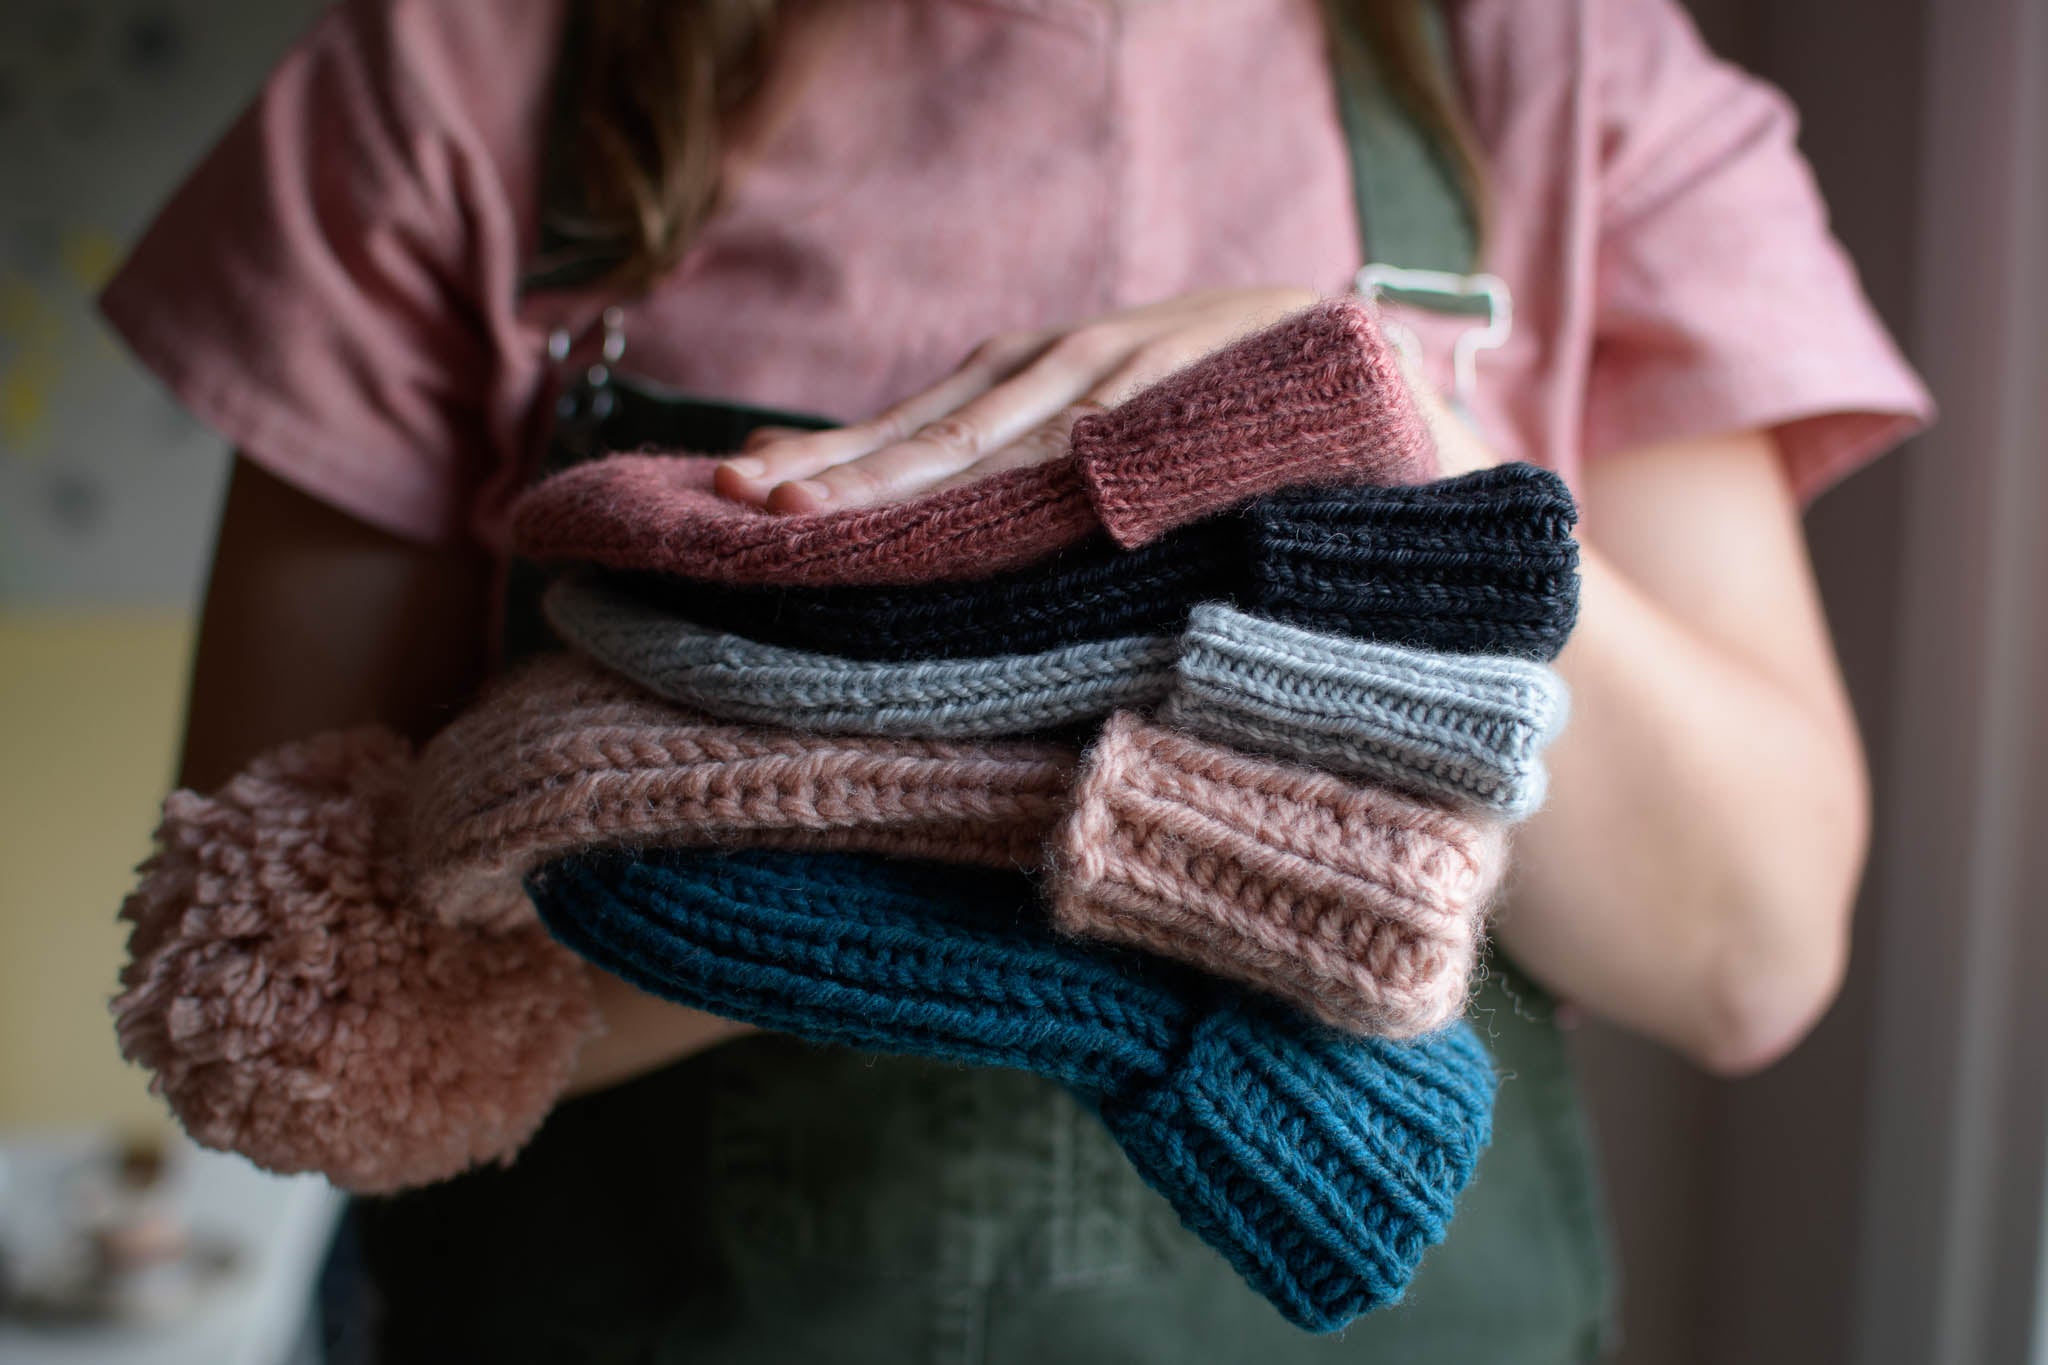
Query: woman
point(820, 207)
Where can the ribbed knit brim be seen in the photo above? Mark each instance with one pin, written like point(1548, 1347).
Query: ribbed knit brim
point(1316, 399)
point(1467, 728)
point(1356, 904)
point(1483, 564)
point(1480, 564)
point(1321, 1166)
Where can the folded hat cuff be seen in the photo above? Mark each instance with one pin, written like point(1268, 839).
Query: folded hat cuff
point(1316, 400)
point(1360, 905)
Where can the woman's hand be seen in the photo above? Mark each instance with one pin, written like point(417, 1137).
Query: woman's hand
point(1011, 404)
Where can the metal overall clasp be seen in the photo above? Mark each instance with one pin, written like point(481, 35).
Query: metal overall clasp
point(1483, 298)
point(584, 402)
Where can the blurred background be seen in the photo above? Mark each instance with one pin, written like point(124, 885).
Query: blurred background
point(1877, 1197)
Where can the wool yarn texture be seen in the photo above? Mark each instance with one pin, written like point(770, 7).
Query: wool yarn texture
point(1483, 563)
point(1321, 1166)
point(565, 757)
point(1493, 570)
point(1315, 399)
point(1470, 729)
point(1162, 835)
point(1358, 905)
point(735, 678)
point(290, 1011)
point(334, 966)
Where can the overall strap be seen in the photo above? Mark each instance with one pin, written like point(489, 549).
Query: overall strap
point(1414, 208)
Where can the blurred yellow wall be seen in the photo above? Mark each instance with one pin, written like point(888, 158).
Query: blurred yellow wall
point(90, 707)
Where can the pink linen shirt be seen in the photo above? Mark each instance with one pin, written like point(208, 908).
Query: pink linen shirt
point(335, 287)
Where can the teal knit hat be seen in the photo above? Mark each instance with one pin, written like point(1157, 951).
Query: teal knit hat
point(1321, 1165)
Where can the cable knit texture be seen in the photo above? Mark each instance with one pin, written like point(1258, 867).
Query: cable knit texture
point(565, 757)
point(1315, 399)
point(1321, 1166)
point(1483, 563)
point(290, 1014)
point(1359, 905)
point(1259, 871)
point(1467, 728)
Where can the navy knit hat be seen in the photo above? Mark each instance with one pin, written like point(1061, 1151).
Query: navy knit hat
point(1480, 564)
point(1321, 1165)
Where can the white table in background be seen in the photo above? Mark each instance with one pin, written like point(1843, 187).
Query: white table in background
point(282, 1227)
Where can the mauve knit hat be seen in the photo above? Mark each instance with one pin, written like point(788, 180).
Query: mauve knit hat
point(1315, 399)
point(1470, 729)
point(1484, 563)
point(1322, 1166)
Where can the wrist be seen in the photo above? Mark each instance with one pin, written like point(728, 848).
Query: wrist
point(642, 1033)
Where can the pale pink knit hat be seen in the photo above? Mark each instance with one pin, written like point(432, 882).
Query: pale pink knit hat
point(1359, 904)
point(334, 965)
point(567, 756)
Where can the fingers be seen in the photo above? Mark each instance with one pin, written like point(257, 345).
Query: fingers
point(778, 455)
point(1012, 403)
point(1459, 448)
point(1145, 367)
point(961, 439)
point(1048, 441)
point(1174, 349)
point(768, 433)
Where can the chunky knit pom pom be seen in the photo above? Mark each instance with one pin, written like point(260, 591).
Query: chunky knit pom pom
point(294, 1012)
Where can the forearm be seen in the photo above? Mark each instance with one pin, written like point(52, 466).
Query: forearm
point(1691, 874)
point(314, 622)
point(641, 1033)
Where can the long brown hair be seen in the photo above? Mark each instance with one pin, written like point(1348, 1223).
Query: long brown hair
point(659, 85)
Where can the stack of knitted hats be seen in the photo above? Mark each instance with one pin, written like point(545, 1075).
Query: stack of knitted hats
point(1230, 692)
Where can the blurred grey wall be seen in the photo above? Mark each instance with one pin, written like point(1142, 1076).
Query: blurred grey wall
point(107, 490)
point(108, 495)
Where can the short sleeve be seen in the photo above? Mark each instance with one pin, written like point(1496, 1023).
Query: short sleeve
point(1723, 300)
point(332, 289)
